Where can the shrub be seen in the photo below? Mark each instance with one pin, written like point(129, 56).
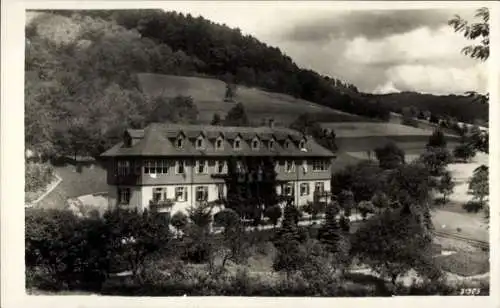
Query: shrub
point(37, 176)
point(473, 206)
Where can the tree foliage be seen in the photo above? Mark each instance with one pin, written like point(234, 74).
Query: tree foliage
point(394, 243)
point(390, 156)
point(479, 31)
point(445, 185)
point(479, 184)
point(437, 139)
point(236, 116)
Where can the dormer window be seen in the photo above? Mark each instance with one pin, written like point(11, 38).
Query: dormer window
point(179, 142)
point(219, 143)
point(255, 144)
point(302, 144)
point(237, 144)
point(199, 143)
point(287, 144)
point(271, 144)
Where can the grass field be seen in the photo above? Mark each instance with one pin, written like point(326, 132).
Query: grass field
point(75, 182)
point(208, 95)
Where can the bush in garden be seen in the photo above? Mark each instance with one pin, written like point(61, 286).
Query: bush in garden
point(37, 176)
point(65, 252)
point(274, 213)
point(179, 220)
point(365, 208)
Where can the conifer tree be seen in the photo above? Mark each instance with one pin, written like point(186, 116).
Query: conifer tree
point(329, 233)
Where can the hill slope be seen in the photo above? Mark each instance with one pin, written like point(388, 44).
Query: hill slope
point(260, 105)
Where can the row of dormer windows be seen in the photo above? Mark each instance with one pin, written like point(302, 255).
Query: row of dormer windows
point(219, 144)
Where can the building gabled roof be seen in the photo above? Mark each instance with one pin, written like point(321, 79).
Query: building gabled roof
point(156, 140)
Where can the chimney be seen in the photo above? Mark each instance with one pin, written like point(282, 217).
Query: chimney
point(271, 123)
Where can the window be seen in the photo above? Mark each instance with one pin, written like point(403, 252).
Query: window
point(304, 165)
point(202, 193)
point(289, 166)
point(159, 194)
point(123, 167)
point(123, 195)
point(199, 143)
point(201, 166)
point(180, 194)
point(218, 144)
point(271, 144)
point(180, 166)
point(219, 166)
point(320, 165)
point(288, 189)
point(240, 168)
point(302, 144)
point(319, 187)
point(287, 144)
point(304, 189)
point(179, 143)
point(220, 191)
point(255, 144)
point(156, 166)
point(237, 144)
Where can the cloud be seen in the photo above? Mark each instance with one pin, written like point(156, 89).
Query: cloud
point(437, 80)
point(372, 24)
point(420, 45)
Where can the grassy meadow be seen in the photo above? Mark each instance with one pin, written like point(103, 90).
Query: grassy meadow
point(208, 95)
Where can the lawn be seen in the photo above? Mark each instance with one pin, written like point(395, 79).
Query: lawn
point(465, 263)
point(76, 181)
point(208, 95)
point(465, 225)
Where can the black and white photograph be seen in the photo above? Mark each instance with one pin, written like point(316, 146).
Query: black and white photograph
point(257, 149)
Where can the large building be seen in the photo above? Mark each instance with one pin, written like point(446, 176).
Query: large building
point(183, 163)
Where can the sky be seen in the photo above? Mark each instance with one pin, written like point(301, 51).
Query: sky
point(379, 51)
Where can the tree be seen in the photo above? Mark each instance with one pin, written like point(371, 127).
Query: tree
point(74, 252)
point(329, 233)
point(362, 179)
point(446, 185)
point(230, 92)
point(409, 115)
point(394, 243)
point(201, 215)
point(135, 236)
point(436, 159)
point(475, 31)
point(346, 201)
point(437, 140)
point(179, 220)
point(313, 209)
point(233, 235)
point(380, 200)
point(464, 152)
point(390, 156)
point(273, 213)
point(236, 116)
point(216, 120)
point(290, 257)
point(479, 185)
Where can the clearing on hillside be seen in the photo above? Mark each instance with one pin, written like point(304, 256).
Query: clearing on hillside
point(208, 95)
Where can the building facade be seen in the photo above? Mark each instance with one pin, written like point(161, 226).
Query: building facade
point(186, 163)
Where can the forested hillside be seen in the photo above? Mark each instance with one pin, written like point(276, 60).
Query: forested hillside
point(82, 66)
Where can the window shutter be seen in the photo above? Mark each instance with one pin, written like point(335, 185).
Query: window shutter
point(185, 194)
